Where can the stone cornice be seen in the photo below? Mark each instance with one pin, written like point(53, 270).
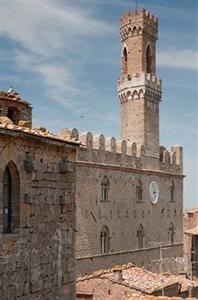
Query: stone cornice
point(127, 169)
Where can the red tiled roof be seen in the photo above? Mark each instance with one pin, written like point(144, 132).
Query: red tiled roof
point(135, 278)
point(192, 231)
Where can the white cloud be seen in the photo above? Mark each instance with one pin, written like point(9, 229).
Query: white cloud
point(47, 36)
point(178, 58)
point(47, 28)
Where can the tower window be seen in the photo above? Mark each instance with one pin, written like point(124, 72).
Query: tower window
point(105, 240)
point(124, 61)
point(140, 237)
point(105, 189)
point(172, 233)
point(139, 191)
point(13, 115)
point(172, 191)
point(11, 190)
point(125, 54)
point(148, 59)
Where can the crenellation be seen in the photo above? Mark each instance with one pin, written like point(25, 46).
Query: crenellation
point(69, 134)
point(122, 147)
point(166, 158)
point(134, 87)
point(99, 142)
point(111, 144)
point(130, 154)
point(138, 23)
point(140, 151)
point(86, 138)
point(179, 154)
point(129, 148)
point(171, 161)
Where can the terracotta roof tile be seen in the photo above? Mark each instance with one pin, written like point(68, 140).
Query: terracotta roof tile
point(139, 279)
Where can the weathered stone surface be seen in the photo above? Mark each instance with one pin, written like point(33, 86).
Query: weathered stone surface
point(135, 161)
point(32, 258)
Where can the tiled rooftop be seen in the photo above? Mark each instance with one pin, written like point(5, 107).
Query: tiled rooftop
point(192, 231)
point(192, 210)
point(138, 278)
point(42, 132)
point(6, 123)
point(137, 297)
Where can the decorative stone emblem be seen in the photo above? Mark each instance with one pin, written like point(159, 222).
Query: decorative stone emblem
point(66, 166)
point(29, 162)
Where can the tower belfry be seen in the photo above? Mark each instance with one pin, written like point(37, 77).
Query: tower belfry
point(139, 89)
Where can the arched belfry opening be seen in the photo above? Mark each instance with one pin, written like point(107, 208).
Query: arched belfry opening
point(124, 61)
point(148, 59)
point(11, 195)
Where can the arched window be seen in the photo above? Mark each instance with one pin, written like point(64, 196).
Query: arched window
point(140, 237)
point(139, 191)
point(11, 192)
point(148, 59)
point(105, 189)
point(124, 61)
point(172, 191)
point(105, 240)
point(13, 115)
point(172, 233)
point(125, 54)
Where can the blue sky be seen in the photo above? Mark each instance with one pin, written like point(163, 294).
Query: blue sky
point(64, 57)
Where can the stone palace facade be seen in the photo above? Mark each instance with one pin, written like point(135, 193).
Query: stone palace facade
point(121, 199)
point(129, 193)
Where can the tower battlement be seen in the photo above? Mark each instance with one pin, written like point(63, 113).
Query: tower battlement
point(137, 22)
point(131, 87)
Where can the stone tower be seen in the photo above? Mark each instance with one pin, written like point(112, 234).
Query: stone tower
point(139, 89)
point(15, 110)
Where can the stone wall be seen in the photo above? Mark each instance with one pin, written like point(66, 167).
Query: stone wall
point(124, 164)
point(190, 252)
point(141, 257)
point(37, 259)
point(122, 213)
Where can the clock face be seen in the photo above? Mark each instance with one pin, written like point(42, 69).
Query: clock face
point(154, 192)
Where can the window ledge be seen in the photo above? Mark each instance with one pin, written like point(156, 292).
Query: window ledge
point(7, 236)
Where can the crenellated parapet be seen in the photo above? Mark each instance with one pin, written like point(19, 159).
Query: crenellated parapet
point(133, 87)
point(96, 148)
point(138, 22)
point(174, 157)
